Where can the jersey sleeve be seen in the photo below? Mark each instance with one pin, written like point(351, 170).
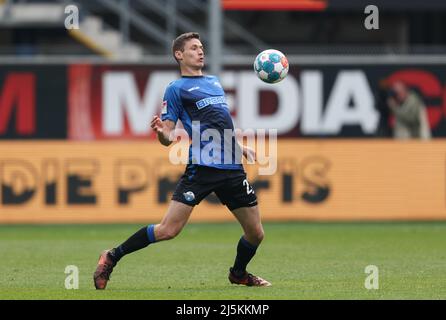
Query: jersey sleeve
point(171, 105)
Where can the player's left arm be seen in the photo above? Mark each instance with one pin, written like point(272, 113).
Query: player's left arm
point(248, 153)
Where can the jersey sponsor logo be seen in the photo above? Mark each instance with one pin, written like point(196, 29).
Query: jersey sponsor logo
point(193, 88)
point(189, 196)
point(211, 100)
point(164, 109)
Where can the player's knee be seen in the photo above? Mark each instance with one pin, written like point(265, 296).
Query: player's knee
point(257, 236)
point(171, 233)
point(260, 235)
point(167, 233)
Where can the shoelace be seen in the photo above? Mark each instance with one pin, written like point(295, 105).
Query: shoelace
point(254, 279)
point(106, 272)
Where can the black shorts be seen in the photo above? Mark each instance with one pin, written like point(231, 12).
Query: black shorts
point(230, 186)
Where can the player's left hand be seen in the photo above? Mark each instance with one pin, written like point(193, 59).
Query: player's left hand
point(249, 154)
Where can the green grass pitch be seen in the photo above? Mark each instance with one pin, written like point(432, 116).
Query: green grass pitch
point(302, 261)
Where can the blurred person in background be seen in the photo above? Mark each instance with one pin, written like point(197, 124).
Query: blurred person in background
point(411, 119)
point(382, 93)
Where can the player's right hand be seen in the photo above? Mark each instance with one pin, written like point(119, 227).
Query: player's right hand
point(157, 125)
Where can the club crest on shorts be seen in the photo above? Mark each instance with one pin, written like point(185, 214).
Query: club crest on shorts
point(189, 196)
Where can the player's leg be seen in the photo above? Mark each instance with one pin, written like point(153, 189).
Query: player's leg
point(170, 226)
point(173, 222)
point(240, 198)
point(249, 219)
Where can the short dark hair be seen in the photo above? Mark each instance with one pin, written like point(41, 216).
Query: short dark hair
point(178, 43)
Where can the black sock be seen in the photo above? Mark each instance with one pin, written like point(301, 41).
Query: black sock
point(140, 239)
point(245, 252)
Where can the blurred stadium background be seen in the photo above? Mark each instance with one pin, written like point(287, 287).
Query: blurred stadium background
point(76, 147)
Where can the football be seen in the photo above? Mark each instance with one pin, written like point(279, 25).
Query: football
point(271, 66)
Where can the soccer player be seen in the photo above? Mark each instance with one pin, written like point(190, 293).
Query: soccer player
point(196, 98)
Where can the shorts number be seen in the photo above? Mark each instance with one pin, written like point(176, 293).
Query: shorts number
point(248, 187)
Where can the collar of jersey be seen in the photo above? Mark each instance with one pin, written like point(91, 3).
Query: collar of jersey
point(192, 76)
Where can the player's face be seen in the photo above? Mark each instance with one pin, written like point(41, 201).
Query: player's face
point(193, 54)
point(401, 90)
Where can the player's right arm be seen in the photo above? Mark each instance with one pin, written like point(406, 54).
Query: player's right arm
point(164, 125)
point(163, 129)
